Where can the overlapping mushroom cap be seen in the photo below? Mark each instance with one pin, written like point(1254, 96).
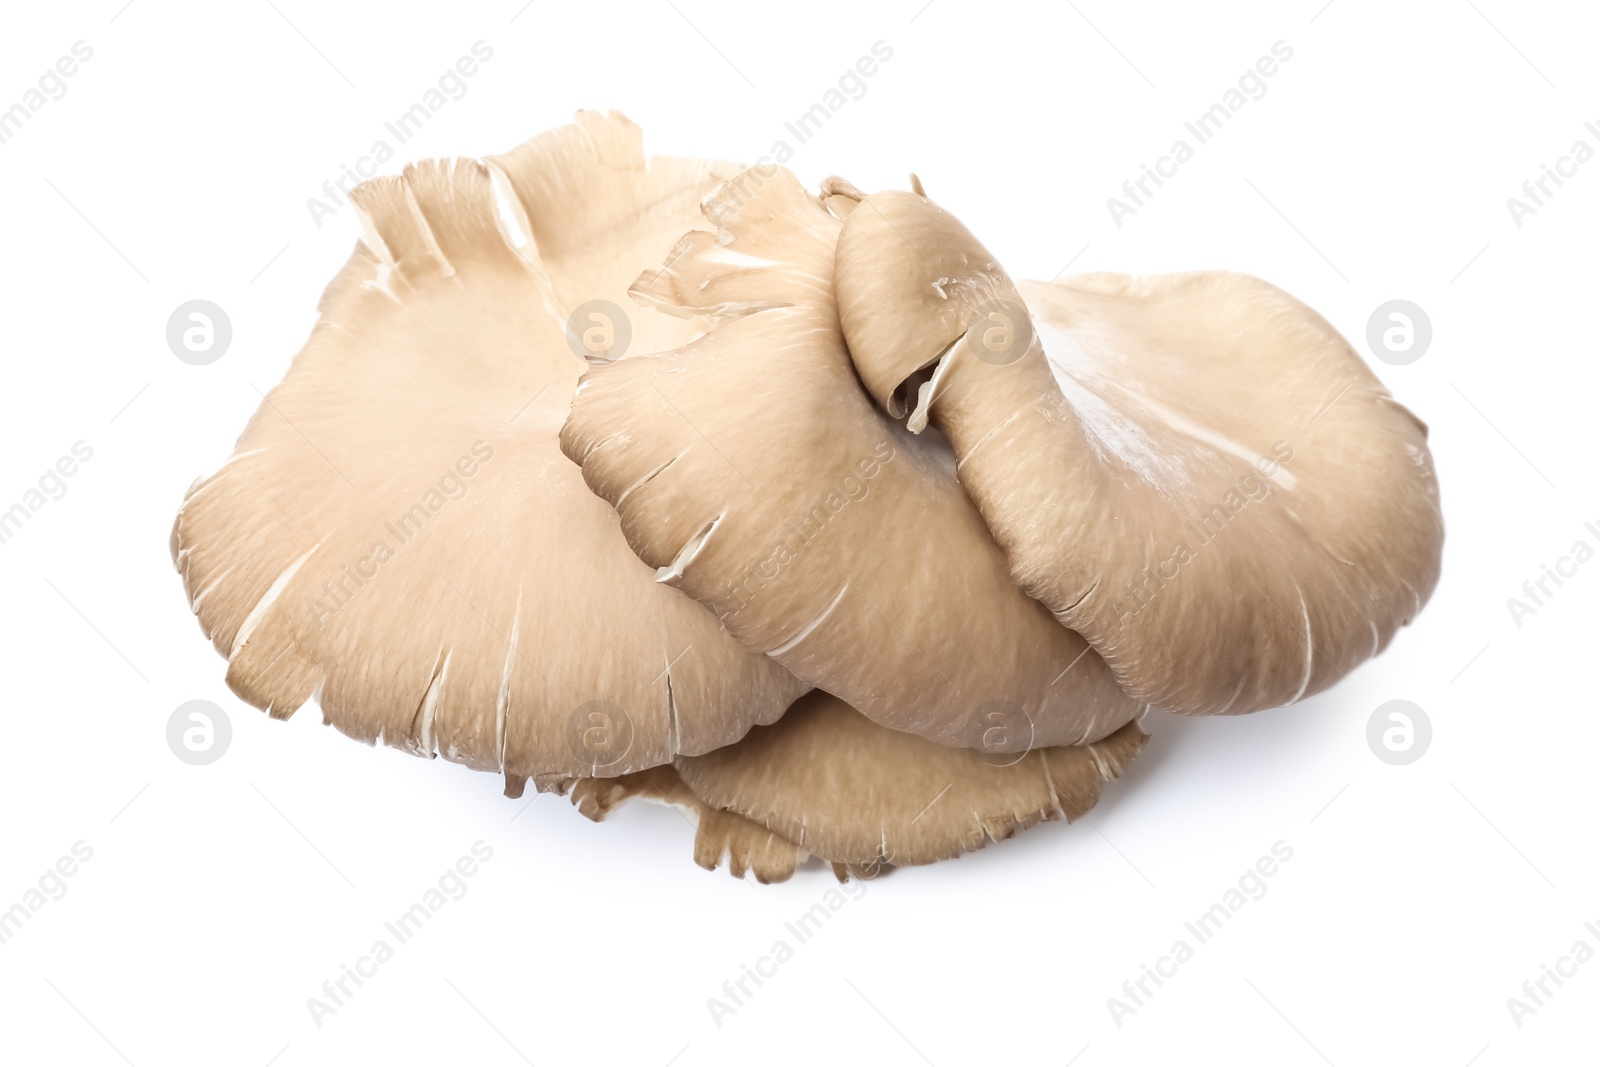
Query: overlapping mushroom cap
point(1194, 471)
point(835, 448)
point(751, 469)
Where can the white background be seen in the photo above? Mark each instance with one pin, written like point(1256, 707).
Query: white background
point(219, 898)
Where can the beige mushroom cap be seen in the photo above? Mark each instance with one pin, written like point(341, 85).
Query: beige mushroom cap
point(827, 781)
point(863, 797)
point(1195, 471)
point(397, 533)
point(751, 470)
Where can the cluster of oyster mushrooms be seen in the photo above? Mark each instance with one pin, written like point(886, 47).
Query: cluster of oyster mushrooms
point(836, 537)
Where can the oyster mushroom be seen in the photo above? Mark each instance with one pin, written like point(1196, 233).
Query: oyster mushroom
point(863, 797)
point(989, 523)
point(750, 469)
point(825, 780)
point(1194, 471)
point(397, 532)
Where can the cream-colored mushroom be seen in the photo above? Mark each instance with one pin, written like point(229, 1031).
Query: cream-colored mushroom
point(397, 533)
point(864, 797)
point(1193, 471)
point(827, 781)
point(1068, 503)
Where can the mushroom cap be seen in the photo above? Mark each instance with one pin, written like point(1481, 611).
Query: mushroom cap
point(397, 532)
point(751, 469)
point(861, 796)
point(1194, 471)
